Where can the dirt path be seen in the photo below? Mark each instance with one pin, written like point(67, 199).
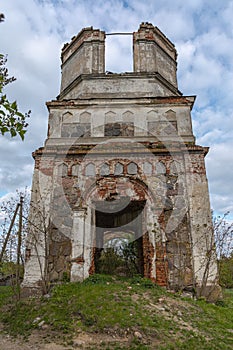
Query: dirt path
point(81, 341)
point(36, 341)
point(8, 343)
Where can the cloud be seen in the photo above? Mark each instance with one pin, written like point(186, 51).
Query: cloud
point(33, 35)
point(16, 165)
point(207, 120)
point(8, 203)
point(112, 54)
point(219, 163)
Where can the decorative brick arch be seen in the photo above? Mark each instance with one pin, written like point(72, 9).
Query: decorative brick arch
point(127, 195)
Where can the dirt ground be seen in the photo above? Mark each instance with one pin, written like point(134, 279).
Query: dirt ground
point(38, 342)
point(8, 343)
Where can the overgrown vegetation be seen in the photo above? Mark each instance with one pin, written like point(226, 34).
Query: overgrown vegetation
point(127, 313)
point(122, 259)
point(10, 268)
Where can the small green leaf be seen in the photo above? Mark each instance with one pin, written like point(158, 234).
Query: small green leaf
point(12, 120)
point(13, 132)
point(14, 105)
point(4, 129)
point(21, 134)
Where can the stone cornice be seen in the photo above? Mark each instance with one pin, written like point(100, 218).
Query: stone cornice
point(146, 148)
point(168, 100)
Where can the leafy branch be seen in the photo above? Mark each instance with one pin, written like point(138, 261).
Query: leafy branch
point(11, 119)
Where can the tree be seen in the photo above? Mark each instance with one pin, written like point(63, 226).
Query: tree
point(35, 236)
point(219, 249)
point(223, 229)
point(10, 215)
point(223, 232)
point(11, 119)
point(12, 240)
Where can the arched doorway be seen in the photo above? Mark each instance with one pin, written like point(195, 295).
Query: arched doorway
point(116, 206)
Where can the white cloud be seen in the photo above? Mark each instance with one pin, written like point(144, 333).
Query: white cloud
point(33, 35)
point(113, 63)
point(219, 164)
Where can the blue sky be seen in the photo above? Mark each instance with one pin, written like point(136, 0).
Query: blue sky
point(202, 31)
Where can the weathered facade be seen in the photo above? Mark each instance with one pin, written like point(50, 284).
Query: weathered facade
point(121, 159)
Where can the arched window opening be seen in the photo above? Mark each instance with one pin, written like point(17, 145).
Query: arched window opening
point(90, 170)
point(62, 170)
point(118, 169)
point(104, 170)
point(132, 168)
point(75, 170)
point(147, 168)
point(160, 168)
point(174, 168)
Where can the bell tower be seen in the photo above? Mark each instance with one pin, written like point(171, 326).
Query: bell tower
point(121, 162)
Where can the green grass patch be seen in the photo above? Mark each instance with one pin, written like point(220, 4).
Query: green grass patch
point(5, 295)
point(121, 306)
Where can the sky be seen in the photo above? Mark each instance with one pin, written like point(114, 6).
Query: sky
point(34, 31)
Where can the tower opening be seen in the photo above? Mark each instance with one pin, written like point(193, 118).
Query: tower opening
point(115, 43)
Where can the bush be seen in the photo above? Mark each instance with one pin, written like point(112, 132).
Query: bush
point(225, 265)
point(108, 262)
point(10, 268)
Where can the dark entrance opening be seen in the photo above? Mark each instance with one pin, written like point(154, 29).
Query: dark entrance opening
point(119, 231)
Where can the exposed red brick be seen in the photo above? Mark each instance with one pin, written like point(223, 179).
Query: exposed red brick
point(161, 265)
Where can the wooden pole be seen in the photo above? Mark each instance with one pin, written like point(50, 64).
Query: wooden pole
point(9, 232)
point(19, 243)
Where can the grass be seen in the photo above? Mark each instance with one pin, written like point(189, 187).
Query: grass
point(5, 295)
point(104, 306)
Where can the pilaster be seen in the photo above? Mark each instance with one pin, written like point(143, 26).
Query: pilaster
point(78, 238)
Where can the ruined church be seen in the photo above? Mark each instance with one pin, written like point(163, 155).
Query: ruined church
point(120, 163)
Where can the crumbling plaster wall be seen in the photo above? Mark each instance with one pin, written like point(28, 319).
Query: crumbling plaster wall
point(163, 213)
point(153, 52)
point(98, 115)
point(84, 55)
point(38, 225)
point(204, 258)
